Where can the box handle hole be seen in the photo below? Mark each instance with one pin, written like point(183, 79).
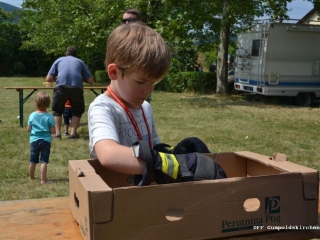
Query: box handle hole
point(76, 201)
point(251, 204)
point(174, 214)
point(80, 173)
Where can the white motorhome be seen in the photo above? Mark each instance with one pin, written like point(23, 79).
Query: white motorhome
point(280, 59)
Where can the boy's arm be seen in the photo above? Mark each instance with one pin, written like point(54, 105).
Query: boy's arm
point(118, 158)
point(28, 128)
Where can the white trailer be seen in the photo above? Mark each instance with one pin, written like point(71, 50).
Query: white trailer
point(280, 59)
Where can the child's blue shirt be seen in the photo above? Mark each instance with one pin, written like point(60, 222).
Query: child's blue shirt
point(41, 123)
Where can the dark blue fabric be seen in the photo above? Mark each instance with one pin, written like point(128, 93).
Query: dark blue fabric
point(67, 115)
point(220, 173)
point(187, 145)
point(190, 145)
point(40, 147)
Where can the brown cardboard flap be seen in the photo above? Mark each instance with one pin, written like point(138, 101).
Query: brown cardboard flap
point(113, 179)
point(279, 157)
point(102, 206)
point(310, 176)
point(311, 185)
point(254, 156)
point(82, 167)
point(233, 165)
point(90, 192)
point(255, 168)
point(283, 165)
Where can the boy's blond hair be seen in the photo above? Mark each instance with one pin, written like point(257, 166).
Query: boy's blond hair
point(42, 100)
point(138, 48)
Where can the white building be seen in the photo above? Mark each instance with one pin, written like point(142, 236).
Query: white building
point(310, 18)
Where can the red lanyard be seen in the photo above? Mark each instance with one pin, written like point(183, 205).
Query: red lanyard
point(133, 121)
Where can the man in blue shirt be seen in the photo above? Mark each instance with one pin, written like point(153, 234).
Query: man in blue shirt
point(69, 73)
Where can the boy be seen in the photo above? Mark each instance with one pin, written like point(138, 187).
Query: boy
point(67, 116)
point(40, 126)
point(137, 59)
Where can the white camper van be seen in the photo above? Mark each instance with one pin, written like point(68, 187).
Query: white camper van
point(280, 59)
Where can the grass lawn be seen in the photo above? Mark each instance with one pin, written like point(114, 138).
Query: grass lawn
point(224, 123)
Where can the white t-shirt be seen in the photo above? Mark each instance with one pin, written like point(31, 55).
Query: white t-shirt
point(108, 120)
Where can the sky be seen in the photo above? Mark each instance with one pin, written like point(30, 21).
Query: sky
point(299, 7)
point(16, 3)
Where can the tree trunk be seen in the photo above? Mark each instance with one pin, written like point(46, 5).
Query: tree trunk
point(222, 60)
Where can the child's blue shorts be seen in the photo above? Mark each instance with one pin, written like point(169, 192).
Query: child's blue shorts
point(40, 148)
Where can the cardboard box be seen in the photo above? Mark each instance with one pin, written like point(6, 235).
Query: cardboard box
point(259, 192)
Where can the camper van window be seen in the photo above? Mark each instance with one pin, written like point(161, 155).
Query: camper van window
point(255, 48)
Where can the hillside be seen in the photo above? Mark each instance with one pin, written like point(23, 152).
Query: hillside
point(7, 7)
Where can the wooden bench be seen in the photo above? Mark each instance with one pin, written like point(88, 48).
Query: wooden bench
point(33, 89)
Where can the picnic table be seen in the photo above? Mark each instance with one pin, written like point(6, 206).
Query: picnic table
point(51, 218)
point(22, 99)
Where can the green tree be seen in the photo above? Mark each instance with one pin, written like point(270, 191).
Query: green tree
point(13, 60)
point(9, 41)
point(83, 23)
point(88, 23)
point(52, 25)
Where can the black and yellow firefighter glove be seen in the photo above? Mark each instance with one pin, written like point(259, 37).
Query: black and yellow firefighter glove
point(163, 147)
point(165, 168)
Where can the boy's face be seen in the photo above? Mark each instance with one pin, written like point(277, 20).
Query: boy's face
point(133, 88)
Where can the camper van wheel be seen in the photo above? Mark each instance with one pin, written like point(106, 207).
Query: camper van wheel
point(305, 99)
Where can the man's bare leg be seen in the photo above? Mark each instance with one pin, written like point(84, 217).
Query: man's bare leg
point(74, 125)
point(58, 120)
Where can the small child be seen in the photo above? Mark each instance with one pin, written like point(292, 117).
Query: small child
point(40, 126)
point(67, 116)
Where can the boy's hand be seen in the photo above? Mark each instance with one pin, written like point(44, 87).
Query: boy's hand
point(163, 147)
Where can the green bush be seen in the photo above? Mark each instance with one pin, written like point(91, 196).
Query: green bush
point(17, 68)
point(196, 82)
point(101, 76)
